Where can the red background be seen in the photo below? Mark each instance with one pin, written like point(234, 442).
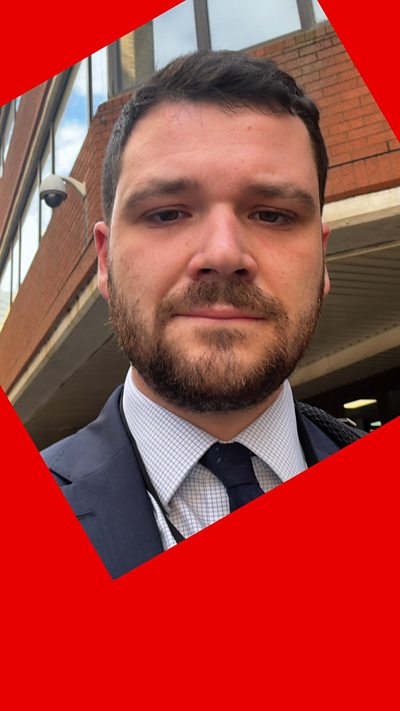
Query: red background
point(291, 603)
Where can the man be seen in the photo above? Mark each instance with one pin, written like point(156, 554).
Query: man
point(211, 256)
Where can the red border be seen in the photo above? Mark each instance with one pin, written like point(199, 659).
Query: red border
point(291, 603)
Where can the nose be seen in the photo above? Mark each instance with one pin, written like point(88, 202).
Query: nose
point(223, 248)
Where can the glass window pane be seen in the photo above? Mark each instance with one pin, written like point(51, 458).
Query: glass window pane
point(136, 58)
point(15, 268)
point(5, 290)
point(237, 25)
point(29, 231)
point(318, 12)
point(45, 170)
point(72, 122)
point(99, 78)
point(153, 45)
point(8, 131)
point(174, 33)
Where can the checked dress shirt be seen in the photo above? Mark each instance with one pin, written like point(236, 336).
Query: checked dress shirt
point(171, 448)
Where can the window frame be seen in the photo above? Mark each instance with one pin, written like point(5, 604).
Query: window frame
point(10, 110)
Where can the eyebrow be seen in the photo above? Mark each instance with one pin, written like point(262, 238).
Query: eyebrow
point(158, 188)
point(285, 191)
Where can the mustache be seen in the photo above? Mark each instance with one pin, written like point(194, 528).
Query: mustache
point(239, 294)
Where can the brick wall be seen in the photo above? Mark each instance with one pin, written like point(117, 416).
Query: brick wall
point(364, 153)
point(364, 156)
point(65, 261)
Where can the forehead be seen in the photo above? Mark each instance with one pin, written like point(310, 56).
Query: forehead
point(200, 141)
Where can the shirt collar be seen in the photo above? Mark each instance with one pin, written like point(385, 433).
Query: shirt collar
point(170, 446)
point(273, 436)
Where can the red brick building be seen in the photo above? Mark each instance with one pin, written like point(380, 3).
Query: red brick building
point(58, 360)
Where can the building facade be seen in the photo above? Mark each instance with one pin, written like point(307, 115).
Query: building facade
point(58, 358)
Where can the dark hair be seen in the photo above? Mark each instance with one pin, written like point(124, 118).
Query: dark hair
point(226, 78)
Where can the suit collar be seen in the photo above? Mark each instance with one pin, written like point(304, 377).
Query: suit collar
point(316, 445)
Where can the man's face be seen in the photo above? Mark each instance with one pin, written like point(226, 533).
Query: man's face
point(213, 263)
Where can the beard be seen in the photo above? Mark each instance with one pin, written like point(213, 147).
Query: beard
point(216, 380)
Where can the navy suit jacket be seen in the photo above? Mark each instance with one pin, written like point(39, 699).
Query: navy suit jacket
point(100, 477)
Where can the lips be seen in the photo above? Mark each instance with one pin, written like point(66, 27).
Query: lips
point(220, 313)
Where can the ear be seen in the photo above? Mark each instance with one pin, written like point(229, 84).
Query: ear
point(325, 237)
point(101, 238)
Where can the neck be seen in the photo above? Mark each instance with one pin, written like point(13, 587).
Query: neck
point(222, 425)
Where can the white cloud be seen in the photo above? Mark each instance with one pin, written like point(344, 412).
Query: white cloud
point(68, 142)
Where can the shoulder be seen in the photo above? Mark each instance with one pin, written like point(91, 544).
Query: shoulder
point(342, 432)
point(91, 448)
point(100, 478)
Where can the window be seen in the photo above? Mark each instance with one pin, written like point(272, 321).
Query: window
point(72, 121)
point(5, 290)
point(318, 12)
point(174, 30)
point(236, 25)
point(46, 168)
point(153, 45)
point(6, 134)
point(29, 231)
point(209, 24)
point(8, 131)
point(99, 83)
point(86, 88)
point(15, 264)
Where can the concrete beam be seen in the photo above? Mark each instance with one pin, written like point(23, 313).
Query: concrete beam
point(80, 334)
point(360, 209)
point(379, 343)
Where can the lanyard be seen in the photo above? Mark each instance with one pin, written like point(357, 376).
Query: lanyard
point(148, 483)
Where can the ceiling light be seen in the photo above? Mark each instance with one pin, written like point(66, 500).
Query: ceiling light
point(355, 404)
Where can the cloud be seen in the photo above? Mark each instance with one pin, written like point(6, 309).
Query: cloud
point(68, 142)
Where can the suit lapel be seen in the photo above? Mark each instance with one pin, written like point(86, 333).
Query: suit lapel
point(107, 492)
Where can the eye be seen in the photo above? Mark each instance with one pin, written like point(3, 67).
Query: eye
point(272, 217)
point(166, 216)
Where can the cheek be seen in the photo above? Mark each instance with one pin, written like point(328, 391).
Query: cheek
point(294, 277)
point(125, 274)
point(146, 275)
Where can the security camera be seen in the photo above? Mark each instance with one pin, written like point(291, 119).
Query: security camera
point(53, 191)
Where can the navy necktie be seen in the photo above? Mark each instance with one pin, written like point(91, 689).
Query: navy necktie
point(231, 463)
